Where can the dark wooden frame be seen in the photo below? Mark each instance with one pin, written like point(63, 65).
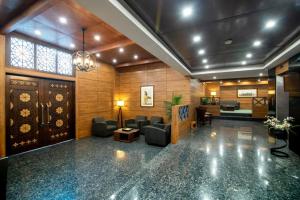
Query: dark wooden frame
point(237, 92)
point(141, 96)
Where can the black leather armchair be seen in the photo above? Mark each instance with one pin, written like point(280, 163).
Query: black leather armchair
point(103, 128)
point(136, 123)
point(158, 134)
point(153, 120)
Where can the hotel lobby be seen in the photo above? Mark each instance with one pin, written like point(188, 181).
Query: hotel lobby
point(160, 99)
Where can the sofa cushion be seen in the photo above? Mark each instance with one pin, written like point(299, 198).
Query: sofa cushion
point(98, 119)
point(111, 127)
point(132, 125)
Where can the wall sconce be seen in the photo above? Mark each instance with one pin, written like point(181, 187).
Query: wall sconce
point(213, 94)
point(120, 103)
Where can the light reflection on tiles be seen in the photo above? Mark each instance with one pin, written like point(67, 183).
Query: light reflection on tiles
point(199, 167)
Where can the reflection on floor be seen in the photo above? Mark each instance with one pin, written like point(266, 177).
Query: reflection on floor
point(230, 160)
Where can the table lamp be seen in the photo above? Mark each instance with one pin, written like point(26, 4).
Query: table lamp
point(213, 100)
point(120, 103)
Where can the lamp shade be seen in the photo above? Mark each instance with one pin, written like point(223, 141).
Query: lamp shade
point(271, 91)
point(213, 93)
point(120, 103)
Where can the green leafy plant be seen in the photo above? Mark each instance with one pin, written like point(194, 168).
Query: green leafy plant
point(176, 100)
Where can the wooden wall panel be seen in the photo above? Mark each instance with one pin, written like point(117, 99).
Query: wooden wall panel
point(2, 96)
point(166, 82)
point(94, 97)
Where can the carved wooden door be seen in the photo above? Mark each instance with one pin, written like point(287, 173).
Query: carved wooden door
point(39, 112)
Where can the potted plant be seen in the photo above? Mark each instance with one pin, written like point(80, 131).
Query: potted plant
point(176, 100)
point(277, 127)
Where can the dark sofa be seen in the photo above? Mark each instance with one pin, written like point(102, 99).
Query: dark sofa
point(228, 105)
point(136, 123)
point(158, 134)
point(102, 127)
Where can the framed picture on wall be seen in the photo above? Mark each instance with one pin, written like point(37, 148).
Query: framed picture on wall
point(247, 93)
point(147, 96)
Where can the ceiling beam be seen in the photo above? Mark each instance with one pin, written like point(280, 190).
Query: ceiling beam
point(141, 62)
point(117, 44)
point(27, 14)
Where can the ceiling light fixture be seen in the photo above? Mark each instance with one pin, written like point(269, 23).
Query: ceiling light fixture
point(204, 60)
point(196, 38)
point(83, 60)
point(249, 55)
point(261, 74)
point(97, 37)
point(244, 62)
point(63, 20)
point(270, 24)
point(206, 66)
point(114, 60)
point(98, 55)
point(201, 52)
point(121, 50)
point(214, 77)
point(228, 41)
point(187, 11)
point(72, 45)
point(239, 81)
point(258, 80)
point(38, 32)
point(256, 43)
point(135, 56)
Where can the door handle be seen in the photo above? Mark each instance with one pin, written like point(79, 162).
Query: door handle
point(48, 112)
point(43, 119)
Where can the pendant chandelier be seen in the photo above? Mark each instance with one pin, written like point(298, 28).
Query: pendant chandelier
point(83, 60)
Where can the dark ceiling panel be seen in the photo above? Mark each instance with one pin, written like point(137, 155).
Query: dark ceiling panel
point(217, 20)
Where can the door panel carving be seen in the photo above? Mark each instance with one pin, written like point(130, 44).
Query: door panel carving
point(39, 112)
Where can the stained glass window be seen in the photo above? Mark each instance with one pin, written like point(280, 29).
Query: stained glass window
point(22, 53)
point(45, 59)
point(64, 63)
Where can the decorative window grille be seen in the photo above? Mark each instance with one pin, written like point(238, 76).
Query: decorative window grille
point(64, 63)
point(45, 59)
point(21, 53)
point(28, 55)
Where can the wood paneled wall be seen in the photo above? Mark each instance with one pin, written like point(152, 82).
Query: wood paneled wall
point(166, 82)
point(2, 96)
point(94, 97)
point(230, 93)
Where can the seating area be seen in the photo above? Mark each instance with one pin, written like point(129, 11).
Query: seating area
point(155, 131)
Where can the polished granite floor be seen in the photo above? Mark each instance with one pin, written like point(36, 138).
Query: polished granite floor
point(229, 160)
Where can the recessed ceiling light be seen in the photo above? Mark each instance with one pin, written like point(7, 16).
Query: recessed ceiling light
point(114, 60)
point(98, 55)
point(257, 43)
point(206, 66)
point(258, 80)
point(228, 41)
point(201, 52)
point(214, 77)
point(196, 38)
point(187, 11)
point(270, 24)
point(63, 20)
point(249, 55)
point(221, 82)
point(244, 62)
point(121, 50)
point(72, 45)
point(204, 60)
point(261, 74)
point(135, 56)
point(37, 32)
point(239, 81)
point(97, 37)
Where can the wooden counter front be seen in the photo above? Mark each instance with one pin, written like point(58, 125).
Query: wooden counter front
point(213, 109)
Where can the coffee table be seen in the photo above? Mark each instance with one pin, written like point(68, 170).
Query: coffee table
point(126, 136)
